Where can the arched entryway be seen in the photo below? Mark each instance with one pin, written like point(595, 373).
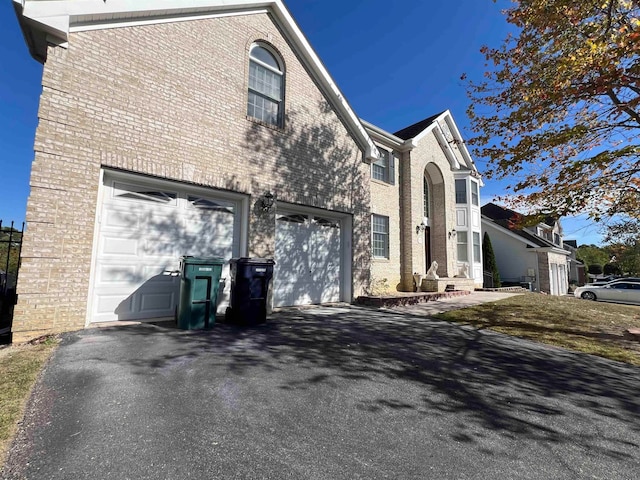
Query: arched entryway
point(433, 219)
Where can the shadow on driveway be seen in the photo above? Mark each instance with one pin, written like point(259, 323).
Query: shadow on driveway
point(330, 393)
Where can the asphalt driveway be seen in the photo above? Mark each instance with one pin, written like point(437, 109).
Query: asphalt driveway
point(327, 393)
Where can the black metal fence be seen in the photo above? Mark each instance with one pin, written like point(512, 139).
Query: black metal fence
point(487, 279)
point(10, 250)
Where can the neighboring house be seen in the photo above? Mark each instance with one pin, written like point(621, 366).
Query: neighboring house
point(163, 128)
point(531, 255)
point(577, 269)
point(425, 205)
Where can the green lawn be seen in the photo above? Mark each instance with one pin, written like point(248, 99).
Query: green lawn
point(591, 327)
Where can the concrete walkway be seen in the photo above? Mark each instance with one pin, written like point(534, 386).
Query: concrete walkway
point(327, 393)
point(453, 303)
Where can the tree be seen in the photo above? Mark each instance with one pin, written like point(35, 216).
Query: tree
point(590, 254)
point(563, 116)
point(489, 260)
point(595, 269)
point(611, 269)
point(627, 256)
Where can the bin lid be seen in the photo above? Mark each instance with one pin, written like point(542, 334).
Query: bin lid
point(188, 260)
point(253, 261)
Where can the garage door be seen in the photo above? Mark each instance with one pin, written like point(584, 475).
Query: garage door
point(308, 259)
point(143, 230)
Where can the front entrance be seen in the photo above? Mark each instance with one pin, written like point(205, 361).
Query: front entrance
point(427, 248)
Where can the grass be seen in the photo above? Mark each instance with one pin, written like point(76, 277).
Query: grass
point(590, 327)
point(20, 366)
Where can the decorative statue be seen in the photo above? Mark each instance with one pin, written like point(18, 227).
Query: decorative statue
point(464, 271)
point(431, 273)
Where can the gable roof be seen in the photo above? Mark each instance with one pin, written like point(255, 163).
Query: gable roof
point(417, 128)
point(51, 21)
point(508, 219)
point(447, 134)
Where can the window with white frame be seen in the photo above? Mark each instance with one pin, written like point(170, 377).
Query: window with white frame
point(461, 191)
point(475, 194)
point(266, 86)
point(477, 251)
point(380, 240)
point(383, 168)
point(463, 246)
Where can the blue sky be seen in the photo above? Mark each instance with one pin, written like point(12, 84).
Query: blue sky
point(396, 62)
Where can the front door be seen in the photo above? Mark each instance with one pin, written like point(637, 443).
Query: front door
point(427, 248)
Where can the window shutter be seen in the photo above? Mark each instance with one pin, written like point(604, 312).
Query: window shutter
point(392, 168)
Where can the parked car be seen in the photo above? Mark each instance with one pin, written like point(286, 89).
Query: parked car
point(605, 281)
point(618, 291)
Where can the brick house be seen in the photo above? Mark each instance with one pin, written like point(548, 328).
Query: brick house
point(534, 255)
point(163, 128)
point(425, 191)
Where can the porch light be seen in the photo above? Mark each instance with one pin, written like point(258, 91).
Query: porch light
point(452, 233)
point(420, 228)
point(267, 201)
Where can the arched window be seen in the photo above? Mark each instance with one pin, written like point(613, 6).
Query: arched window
point(266, 86)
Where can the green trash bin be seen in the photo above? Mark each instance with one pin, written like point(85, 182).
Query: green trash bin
point(199, 284)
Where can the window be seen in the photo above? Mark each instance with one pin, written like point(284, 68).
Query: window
point(266, 87)
point(380, 228)
point(425, 190)
point(383, 168)
point(477, 251)
point(556, 239)
point(475, 196)
point(463, 251)
point(461, 191)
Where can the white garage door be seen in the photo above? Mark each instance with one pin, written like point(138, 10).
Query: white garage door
point(308, 259)
point(144, 228)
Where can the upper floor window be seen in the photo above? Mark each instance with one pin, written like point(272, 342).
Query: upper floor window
point(383, 168)
point(461, 191)
point(266, 86)
point(475, 194)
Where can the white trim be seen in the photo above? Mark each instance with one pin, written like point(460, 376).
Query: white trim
point(488, 223)
point(94, 247)
point(384, 137)
point(154, 21)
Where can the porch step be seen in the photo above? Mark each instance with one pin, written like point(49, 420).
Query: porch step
point(504, 289)
point(402, 298)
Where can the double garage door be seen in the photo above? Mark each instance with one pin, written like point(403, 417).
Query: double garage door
point(145, 226)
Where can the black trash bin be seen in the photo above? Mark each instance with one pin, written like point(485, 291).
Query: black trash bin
point(199, 285)
point(250, 279)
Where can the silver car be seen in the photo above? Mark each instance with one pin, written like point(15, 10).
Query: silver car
point(617, 291)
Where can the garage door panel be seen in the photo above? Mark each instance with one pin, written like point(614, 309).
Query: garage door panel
point(118, 219)
point(160, 247)
point(117, 273)
point(120, 246)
